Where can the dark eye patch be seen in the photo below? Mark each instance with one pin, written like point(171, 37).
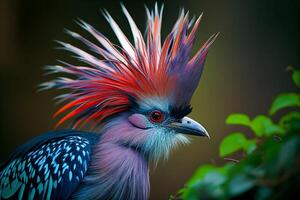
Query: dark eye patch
point(179, 112)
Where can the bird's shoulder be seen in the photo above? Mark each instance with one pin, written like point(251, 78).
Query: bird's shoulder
point(49, 166)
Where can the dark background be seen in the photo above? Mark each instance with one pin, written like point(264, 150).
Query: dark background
point(245, 68)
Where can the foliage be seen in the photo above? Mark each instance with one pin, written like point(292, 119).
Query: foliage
point(270, 167)
point(235, 142)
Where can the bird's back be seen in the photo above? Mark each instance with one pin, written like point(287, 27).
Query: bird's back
point(50, 166)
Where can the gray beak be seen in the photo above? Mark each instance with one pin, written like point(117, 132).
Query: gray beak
point(189, 126)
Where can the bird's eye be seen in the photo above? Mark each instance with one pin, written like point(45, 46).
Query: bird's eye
point(156, 116)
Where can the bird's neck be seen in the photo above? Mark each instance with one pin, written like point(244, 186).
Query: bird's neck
point(116, 171)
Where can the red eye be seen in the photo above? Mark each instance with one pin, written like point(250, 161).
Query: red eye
point(156, 116)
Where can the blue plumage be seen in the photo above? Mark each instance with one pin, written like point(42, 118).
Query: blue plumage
point(50, 169)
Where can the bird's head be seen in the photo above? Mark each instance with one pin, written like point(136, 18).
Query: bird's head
point(139, 92)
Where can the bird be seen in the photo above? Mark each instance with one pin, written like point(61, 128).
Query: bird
point(134, 97)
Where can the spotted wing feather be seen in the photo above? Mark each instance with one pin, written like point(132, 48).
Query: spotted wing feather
point(52, 171)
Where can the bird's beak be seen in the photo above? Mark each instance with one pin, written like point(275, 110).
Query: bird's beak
point(189, 126)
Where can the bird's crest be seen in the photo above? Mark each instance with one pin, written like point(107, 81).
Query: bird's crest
point(107, 83)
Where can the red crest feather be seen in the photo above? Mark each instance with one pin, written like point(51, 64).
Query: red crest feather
point(105, 86)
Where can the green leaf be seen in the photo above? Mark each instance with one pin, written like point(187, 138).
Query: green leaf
point(283, 101)
point(249, 146)
point(290, 121)
point(286, 118)
point(200, 173)
point(288, 154)
point(207, 180)
point(239, 184)
point(296, 77)
point(214, 178)
point(239, 119)
point(233, 143)
point(263, 126)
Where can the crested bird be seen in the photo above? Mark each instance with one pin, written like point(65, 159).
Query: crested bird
point(135, 96)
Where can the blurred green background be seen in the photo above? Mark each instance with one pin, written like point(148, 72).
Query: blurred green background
point(245, 68)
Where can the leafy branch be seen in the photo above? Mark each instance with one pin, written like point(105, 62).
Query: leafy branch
point(270, 166)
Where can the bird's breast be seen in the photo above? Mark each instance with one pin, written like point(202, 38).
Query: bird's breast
point(116, 172)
